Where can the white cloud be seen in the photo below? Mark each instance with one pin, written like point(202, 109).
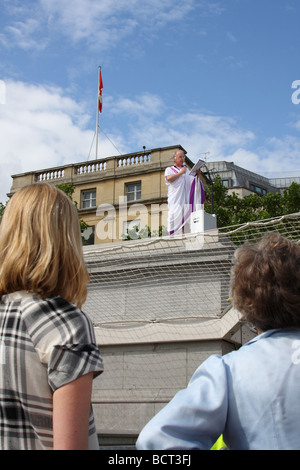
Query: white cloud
point(145, 105)
point(296, 125)
point(83, 19)
point(200, 133)
point(246, 159)
point(22, 33)
point(281, 155)
point(41, 128)
point(231, 36)
point(102, 23)
point(275, 158)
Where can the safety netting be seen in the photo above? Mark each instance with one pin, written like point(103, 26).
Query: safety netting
point(160, 306)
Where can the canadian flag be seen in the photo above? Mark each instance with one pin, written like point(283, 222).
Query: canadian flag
point(100, 93)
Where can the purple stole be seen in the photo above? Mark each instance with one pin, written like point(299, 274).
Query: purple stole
point(191, 204)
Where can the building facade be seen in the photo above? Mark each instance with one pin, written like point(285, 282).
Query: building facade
point(284, 182)
point(239, 180)
point(160, 307)
point(115, 194)
point(126, 194)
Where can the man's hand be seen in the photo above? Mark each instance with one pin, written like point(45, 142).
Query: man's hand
point(171, 178)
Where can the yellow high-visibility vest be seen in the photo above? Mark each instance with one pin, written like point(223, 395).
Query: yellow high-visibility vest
point(219, 444)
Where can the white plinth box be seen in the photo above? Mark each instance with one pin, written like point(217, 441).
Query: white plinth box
point(202, 221)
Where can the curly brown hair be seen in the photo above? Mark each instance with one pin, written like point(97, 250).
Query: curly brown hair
point(265, 285)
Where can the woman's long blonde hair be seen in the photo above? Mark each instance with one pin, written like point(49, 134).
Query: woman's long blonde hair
point(40, 245)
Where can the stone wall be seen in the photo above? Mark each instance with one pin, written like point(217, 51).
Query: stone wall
point(160, 308)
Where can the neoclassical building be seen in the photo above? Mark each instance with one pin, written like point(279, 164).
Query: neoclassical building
point(160, 306)
point(114, 194)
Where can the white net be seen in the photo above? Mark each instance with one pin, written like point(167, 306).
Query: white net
point(170, 278)
point(160, 307)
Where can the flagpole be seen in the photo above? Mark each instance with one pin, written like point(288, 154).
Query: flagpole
point(97, 120)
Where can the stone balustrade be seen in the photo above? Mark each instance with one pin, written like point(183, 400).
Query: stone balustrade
point(77, 172)
point(110, 167)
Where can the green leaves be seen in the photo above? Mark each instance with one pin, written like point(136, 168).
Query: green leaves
point(233, 210)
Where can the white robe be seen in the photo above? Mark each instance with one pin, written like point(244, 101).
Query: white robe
point(185, 195)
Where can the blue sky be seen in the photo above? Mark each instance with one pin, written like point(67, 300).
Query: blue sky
point(213, 76)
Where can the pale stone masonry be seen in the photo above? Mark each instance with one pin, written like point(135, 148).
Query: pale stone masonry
point(160, 308)
point(159, 305)
point(106, 182)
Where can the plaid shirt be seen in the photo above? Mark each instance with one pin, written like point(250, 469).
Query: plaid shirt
point(44, 344)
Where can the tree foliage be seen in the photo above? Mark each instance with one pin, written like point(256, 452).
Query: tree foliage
point(68, 189)
point(233, 210)
point(2, 208)
point(135, 233)
point(229, 208)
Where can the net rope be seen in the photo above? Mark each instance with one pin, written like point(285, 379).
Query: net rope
point(143, 280)
point(160, 307)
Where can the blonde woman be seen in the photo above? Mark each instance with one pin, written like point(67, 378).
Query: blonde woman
point(48, 353)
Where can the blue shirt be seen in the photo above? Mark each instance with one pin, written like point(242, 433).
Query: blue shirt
point(252, 396)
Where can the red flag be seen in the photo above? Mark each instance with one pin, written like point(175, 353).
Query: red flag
point(100, 93)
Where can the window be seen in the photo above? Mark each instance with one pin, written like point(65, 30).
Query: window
point(133, 191)
point(131, 229)
point(88, 198)
point(88, 235)
point(258, 189)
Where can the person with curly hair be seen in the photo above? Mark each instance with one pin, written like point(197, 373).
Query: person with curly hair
point(250, 396)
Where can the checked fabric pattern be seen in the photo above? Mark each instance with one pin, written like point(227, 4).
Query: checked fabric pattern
point(44, 344)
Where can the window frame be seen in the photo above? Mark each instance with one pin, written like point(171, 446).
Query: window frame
point(91, 199)
point(137, 193)
point(258, 189)
point(90, 232)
